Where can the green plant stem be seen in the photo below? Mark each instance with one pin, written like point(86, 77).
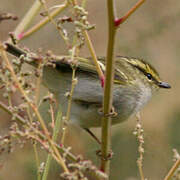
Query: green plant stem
point(37, 161)
point(129, 13)
point(34, 145)
point(83, 3)
point(93, 54)
point(44, 21)
point(140, 138)
point(38, 83)
point(27, 18)
point(109, 76)
point(91, 48)
point(8, 110)
point(108, 90)
point(172, 170)
point(69, 105)
point(37, 93)
point(54, 138)
point(66, 40)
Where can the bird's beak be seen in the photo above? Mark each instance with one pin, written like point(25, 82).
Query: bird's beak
point(164, 85)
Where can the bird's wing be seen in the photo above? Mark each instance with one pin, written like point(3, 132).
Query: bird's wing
point(85, 65)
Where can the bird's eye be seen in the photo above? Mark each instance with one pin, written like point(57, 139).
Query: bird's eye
point(149, 76)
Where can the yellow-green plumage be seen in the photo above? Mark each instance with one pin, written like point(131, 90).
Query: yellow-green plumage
point(134, 83)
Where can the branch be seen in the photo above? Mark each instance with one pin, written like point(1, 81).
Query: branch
point(24, 23)
point(172, 170)
point(8, 110)
point(140, 137)
point(109, 76)
point(54, 138)
point(91, 48)
point(94, 57)
point(70, 94)
point(119, 21)
point(108, 90)
point(42, 22)
point(7, 16)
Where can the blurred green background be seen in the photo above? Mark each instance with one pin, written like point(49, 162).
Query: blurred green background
point(152, 33)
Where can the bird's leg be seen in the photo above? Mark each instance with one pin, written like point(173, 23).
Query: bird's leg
point(109, 156)
point(98, 152)
point(112, 114)
point(92, 135)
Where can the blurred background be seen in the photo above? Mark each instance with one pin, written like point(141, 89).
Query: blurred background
point(152, 33)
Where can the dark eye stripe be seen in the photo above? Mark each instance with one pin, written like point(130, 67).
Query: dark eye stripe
point(148, 75)
point(142, 70)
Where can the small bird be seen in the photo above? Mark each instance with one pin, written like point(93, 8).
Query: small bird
point(135, 81)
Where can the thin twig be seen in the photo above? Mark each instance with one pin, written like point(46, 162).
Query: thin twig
point(83, 3)
point(51, 109)
point(37, 160)
point(74, 82)
point(94, 57)
point(130, 12)
point(7, 16)
point(8, 110)
point(55, 24)
point(24, 23)
point(38, 83)
point(172, 170)
point(54, 137)
point(45, 146)
point(91, 49)
point(43, 22)
point(140, 137)
point(34, 144)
